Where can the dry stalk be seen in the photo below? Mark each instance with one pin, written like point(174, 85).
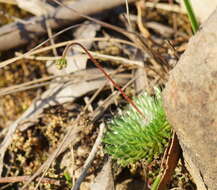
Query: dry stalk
point(25, 178)
point(37, 51)
point(96, 55)
point(90, 158)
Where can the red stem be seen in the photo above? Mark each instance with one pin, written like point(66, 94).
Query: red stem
point(128, 99)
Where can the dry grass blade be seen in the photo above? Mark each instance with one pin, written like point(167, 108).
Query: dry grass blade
point(25, 178)
point(27, 85)
point(141, 27)
point(128, 15)
point(35, 50)
point(73, 78)
point(166, 7)
point(96, 55)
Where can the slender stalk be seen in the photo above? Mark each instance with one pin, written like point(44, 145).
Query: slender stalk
point(191, 16)
point(128, 99)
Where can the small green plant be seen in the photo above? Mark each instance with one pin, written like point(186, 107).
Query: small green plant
point(61, 63)
point(130, 137)
point(68, 179)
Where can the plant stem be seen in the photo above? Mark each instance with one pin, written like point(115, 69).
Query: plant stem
point(191, 16)
point(128, 99)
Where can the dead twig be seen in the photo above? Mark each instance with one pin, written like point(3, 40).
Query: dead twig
point(166, 7)
point(96, 55)
point(128, 15)
point(90, 158)
point(35, 50)
point(16, 179)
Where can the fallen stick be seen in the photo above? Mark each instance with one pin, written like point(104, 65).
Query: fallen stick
point(90, 158)
point(16, 179)
point(17, 33)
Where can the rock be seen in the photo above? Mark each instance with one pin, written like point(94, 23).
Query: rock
point(190, 101)
point(104, 180)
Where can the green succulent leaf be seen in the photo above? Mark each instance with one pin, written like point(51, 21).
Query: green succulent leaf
point(130, 137)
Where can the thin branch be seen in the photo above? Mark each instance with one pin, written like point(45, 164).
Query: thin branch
point(90, 158)
point(73, 77)
point(96, 55)
point(16, 179)
point(35, 50)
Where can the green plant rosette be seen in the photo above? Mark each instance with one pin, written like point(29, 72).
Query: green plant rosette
point(131, 138)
